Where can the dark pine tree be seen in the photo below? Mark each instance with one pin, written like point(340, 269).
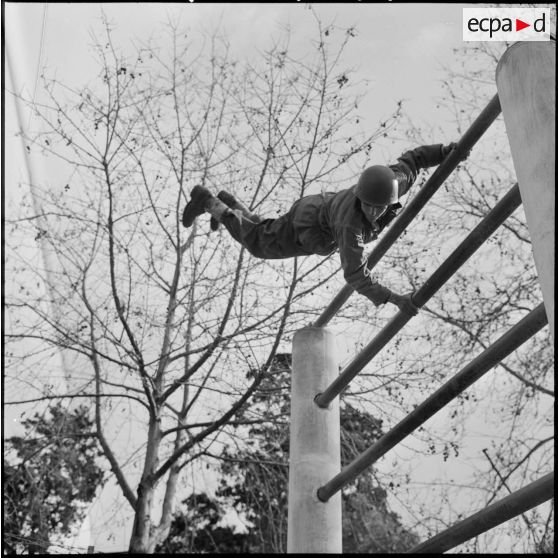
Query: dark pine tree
point(48, 476)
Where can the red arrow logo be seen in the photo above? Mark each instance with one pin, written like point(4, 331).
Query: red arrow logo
point(519, 25)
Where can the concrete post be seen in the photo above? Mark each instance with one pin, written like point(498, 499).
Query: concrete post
point(526, 81)
point(315, 456)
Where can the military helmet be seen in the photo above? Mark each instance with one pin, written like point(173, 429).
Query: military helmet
point(377, 185)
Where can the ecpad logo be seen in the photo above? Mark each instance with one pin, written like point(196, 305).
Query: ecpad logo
point(493, 25)
point(506, 24)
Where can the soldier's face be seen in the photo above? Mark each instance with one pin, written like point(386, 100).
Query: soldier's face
point(373, 212)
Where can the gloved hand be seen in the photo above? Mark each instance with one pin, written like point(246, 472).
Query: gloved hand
point(447, 149)
point(429, 155)
point(404, 303)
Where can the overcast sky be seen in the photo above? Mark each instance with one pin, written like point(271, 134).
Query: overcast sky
point(399, 48)
point(398, 45)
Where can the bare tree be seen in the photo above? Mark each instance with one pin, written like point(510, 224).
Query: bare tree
point(164, 320)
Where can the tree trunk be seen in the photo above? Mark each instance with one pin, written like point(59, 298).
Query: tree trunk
point(141, 540)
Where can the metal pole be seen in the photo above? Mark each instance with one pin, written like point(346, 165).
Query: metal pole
point(315, 455)
point(509, 342)
point(503, 209)
point(526, 80)
point(471, 136)
point(515, 504)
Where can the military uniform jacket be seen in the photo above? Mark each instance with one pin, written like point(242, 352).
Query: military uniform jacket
point(323, 223)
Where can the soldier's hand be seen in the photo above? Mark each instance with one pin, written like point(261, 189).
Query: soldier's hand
point(429, 155)
point(404, 303)
point(447, 149)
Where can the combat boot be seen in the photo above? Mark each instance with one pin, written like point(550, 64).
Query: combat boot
point(201, 201)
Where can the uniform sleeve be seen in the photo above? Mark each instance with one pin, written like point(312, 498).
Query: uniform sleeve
point(409, 164)
point(406, 174)
point(355, 268)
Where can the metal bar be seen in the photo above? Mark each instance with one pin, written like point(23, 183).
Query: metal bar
point(509, 342)
point(501, 211)
point(468, 140)
point(515, 504)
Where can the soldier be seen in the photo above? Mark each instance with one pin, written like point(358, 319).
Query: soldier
point(322, 223)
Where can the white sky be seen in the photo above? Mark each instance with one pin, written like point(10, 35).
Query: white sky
point(400, 48)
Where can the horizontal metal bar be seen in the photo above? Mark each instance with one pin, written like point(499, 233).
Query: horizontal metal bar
point(442, 172)
point(511, 506)
point(505, 345)
point(501, 211)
